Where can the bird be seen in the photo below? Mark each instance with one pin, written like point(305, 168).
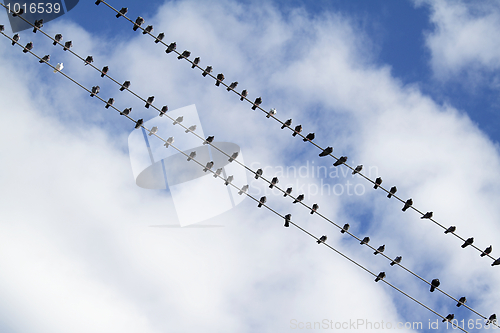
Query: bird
point(208, 166)
point(357, 170)
point(126, 112)
point(160, 37)
point(244, 189)
point(217, 172)
point(178, 120)
point(257, 102)
point(15, 39)
point(496, 262)
point(57, 39)
point(220, 78)
point(288, 191)
point(149, 101)
point(109, 103)
point(262, 201)
point(468, 242)
point(340, 161)
point(125, 85)
point(139, 123)
point(169, 141)
point(297, 130)
point(434, 284)
point(95, 91)
point(153, 131)
point(244, 94)
point(315, 207)
point(407, 205)
point(491, 319)
point(122, 12)
point(37, 25)
point(67, 45)
point(229, 180)
point(28, 47)
point(345, 228)
point(309, 137)
point(233, 157)
point(327, 151)
point(89, 60)
point(450, 229)
point(271, 112)
point(45, 59)
point(171, 47)
point(2, 28)
point(274, 181)
point(190, 129)
point(299, 198)
point(148, 29)
point(191, 155)
point(19, 12)
point(232, 86)
point(322, 239)
point(380, 276)
point(392, 191)
point(59, 67)
point(288, 217)
point(365, 240)
point(287, 123)
point(138, 22)
point(163, 110)
point(208, 140)
point(487, 251)
point(378, 181)
point(449, 317)
point(427, 215)
point(98, 2)
point(207, 71)
point(104, 71)
point(380, 249)
point(196, 61)
point(258, 173)
point(184, 54)
point(396, 260)
point(461, 301)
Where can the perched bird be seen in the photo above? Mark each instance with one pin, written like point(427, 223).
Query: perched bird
point(2, 28)
point(160, 37)
point(297, 130)
point(59, 67)
point(244, 189)
point(149, 101)
point(380, 249)
point(169, 141)
point(262, 201)
point(233, 157)
point(309, 137)
point(98, 2)
point(468, 242)
point(190, 129)
point(450, 229)
point(378, 181)
point(57, 39)
point(122, 12)
point(19, 12)
point(109, 103)
point(487, 251)
point(208, 166)
point(207, 71)
point(45, 59)
point(89, 60)
point(220, 78)
point(126, 112)
point(491, 319)
point(392, 191)
point(104, 71)
point(461, 301)
point(427, 215)
point(271, 112)
point(257, 102)
point(229, 180)
point(380, 276)
point(171, 47)
point(340, 161)
point(217, 172)
point(196, 61)
point(15, 39)
point(139, 123)
point(148, 29)
point(67, 45)
point(138, 22)
point(28, 47)
point(178, 120)
point(125, 85)
point(95, 91)
point(244, 94)
point(153, 131)
point(449, 317)
point(496, 262)
point(37, 25)
point(396, 260)
point(327, 151)
point(191, 155)
point(299, 198)
point(274, 181)
point(357, 170)
point(287, 123)
point(365, 240)
point(288, 217)
point(184, 54)
point(315, 207)
point(345, 228)
point(232, 86)
point(163, 110)
point(434, 284)
point(208, 140)
point(322, 239)
point(288, 191)
point(258, 173)
point(407, 205)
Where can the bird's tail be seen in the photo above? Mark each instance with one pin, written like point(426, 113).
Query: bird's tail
point(432, 289)
point(271, 186)
point(377, 279)
point(318, 241)
point(389, 195)
point(393, 263)
point(243, 98)
point(147, 106)
point(254, 107)
point(135, 27)
point(376, 186)
point(294, 134)
point(375, 253)
point(463, 246)
point(312, 212)
point(260, 205)
point(405, 208)
point(483, 254)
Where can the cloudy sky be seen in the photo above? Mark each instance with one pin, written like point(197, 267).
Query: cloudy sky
point(409, 89)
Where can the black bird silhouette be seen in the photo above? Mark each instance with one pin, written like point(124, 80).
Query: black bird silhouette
point(449, 317)
point(327, 151)
point(57, 39)
point(208, 140)
point(244, 94)
point(207, 71)
point(163, 110)
point(427, 215)
point(2, 28)
point(297, 130)
point(288, 191)
point(257, 102)
point(149, 101)
point(258, 173)
point(125, 85)
point(492, 319)
point(487, 251)
point(138, 22)
point(461, 301)
point(28, 47)
point(468, 242)
point(322, 239)
point(171, 47)
point(109, 103)
point(147, 30)
point(126, 112)
point(345, 228)
point(160, 37)
point(95, 91)
point(89, 60)
point(274, 181)
point(15, 39)
point(396, 260)
point(98, 2)
point(19, 12)
point(262, 201)
point(392, 191)
point(434, 284)
point(450, 229)
point(286, 123)
point(288, 217)
point(378, 181)
point(315, 207)
point(407, 205)
point(380, 276)
point(299, 198)
point(496, 262)
point(37, 25)
point(122, 12)
point(232, 85)
point(104, 71)
point(45, 59)
point(67, 45)
point(365, 240)
point(380, 249)
point(184, 54)
point(340, 161)
point(139, 123)
point(196, 61)
point(220, 78)
point(309, 137)
point(357, 170)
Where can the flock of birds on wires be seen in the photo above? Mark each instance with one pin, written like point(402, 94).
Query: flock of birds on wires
point(273, 183)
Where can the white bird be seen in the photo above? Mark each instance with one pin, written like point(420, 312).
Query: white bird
point(271, 112)
point(59, 67)
point(153, 131)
